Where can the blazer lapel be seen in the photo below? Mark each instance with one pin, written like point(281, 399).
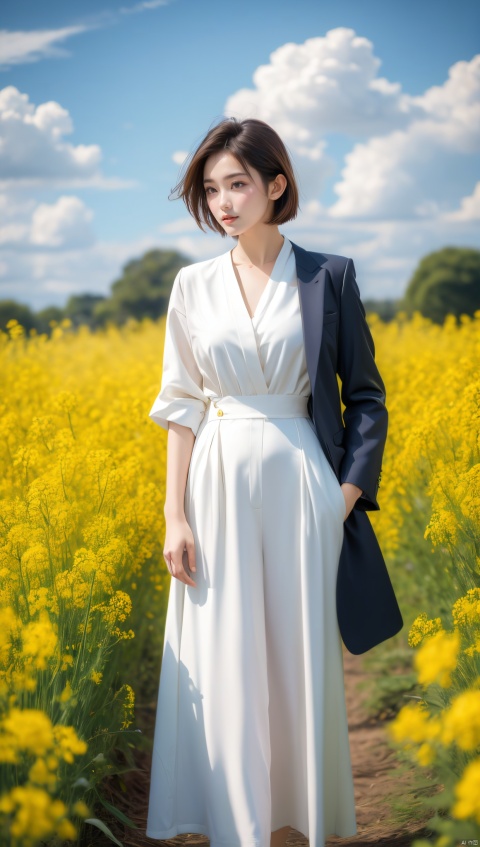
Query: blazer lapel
point(311, 292)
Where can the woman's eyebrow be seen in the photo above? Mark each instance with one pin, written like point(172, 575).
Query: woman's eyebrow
point(229, 176)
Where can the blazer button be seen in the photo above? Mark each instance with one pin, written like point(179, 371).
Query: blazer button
point(219, 413)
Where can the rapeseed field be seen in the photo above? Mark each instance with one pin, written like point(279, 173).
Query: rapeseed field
point(83, 584)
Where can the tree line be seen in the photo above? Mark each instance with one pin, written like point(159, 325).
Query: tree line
point(445, 282)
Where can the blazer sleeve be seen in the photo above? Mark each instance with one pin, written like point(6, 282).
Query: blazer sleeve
point(181, 398)
point(363, 395)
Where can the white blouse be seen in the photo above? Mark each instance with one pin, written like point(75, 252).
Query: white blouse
point(213, 347)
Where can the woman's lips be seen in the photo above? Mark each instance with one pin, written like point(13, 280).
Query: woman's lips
point(230, 219)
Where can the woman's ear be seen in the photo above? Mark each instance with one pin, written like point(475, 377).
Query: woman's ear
point(277, 187)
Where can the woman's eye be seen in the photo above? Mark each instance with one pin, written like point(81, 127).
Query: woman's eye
point(209, 189)
point(238, 183)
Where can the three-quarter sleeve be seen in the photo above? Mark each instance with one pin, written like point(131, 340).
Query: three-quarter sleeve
point(181, 398)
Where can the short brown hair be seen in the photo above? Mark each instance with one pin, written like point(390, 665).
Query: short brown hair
point(252, 142)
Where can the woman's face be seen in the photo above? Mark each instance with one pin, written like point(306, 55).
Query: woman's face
point(232, 192)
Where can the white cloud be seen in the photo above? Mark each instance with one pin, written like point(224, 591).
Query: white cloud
point(406, 166)
point(455, 106)
point(413, 172)
point(15, 214)
point(385, 253)
point(43, 277)
point(146, 5)
point(325, 85)
point(34, 153)
point(198, 246)
point(48, 277)
point(179, 157)
point(32, 145)
point(186, 224)
point(14, 233)
point(29, 46)
point(407, 189)
point(469, 207)
point(13, 205)
point(26, 46)
point(66, 223)
point(62, 225)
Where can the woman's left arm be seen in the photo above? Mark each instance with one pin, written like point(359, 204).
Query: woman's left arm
point(363, 395)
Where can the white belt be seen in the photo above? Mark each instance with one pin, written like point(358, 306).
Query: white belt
point(257, 406)
point(262, 407)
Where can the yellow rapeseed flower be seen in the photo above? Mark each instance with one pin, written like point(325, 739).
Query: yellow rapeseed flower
point(473, 648)
point(425, 754)
point(10, 629)
point(83, 485)
point(40, 640)
point(466, 610)
point(422, 628)
point(437, 658)
point(40, 774)
point(67, 743)
point(67, 693)
point(35, 815)
point(81, 809)
point(413, 725)
point(128, 706)
point(27, 731)
point(467, 793)
point(461, 722)
point(67, 661)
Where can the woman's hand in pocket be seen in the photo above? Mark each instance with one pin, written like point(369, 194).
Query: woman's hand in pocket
point(351, 493)
point(179, 550)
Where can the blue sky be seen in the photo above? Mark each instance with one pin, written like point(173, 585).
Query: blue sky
point(378, 104)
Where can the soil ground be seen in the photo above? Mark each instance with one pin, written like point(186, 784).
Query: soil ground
point(375, 779)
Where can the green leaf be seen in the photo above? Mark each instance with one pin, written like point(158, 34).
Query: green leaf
point(104, 828)
point(118, 814)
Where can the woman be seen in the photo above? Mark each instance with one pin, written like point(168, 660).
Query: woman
point(251, 735)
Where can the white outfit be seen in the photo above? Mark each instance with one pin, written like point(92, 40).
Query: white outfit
point(251, 730)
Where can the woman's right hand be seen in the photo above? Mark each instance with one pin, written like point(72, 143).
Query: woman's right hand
point(179, 550)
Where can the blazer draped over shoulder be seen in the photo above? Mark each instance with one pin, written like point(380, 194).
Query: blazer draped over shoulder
point(338, 340)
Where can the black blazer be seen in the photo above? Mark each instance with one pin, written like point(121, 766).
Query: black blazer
point(338, 340)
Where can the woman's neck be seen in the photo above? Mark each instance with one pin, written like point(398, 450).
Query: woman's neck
point(258, 247)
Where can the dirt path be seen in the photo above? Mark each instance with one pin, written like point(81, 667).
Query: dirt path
point(374, 771)
point(374, 774)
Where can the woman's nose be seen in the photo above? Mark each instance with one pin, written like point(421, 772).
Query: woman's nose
point(225, 202)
